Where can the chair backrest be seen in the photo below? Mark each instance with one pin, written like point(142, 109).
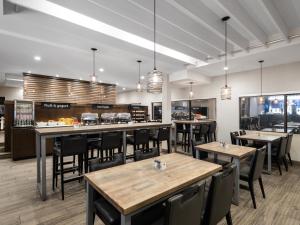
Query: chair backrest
point(244, 142)
point(242, 132)
point(204, 128)
point(257, 163)
point(233, 136)
point(219, 196)
point(202, 154)
point(185, 208)
point(141, 136)
point(164, 133)
point(289, 142)
point(96, 164)
point(141, 155)
point(73, 145)
point(179, 127)
point(111, 140)
point(282, 148)
point(212, 127)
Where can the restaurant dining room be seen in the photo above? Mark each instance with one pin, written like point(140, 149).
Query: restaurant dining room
point(149, 112)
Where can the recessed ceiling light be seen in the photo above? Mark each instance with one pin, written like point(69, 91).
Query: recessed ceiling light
point(80, 78)
point(37, 58)
point(101, 70)
point(142, 77)
point(57, 75)
point(82, 20)
point(100, 81)
point(29, 71)
point(117, 83)
point(123, 88)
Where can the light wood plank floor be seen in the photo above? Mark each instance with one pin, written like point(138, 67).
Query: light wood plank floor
point(20, 203)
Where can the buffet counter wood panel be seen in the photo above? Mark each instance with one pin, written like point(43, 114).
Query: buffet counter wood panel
point(42, 134)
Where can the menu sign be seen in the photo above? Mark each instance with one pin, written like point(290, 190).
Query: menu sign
point(2, 100)
point(52, 105)
point(136, 107)
point(101, 106)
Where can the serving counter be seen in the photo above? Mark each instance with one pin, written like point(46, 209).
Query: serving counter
point(42, 134)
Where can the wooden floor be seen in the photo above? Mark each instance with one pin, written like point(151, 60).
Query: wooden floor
point(20, 202)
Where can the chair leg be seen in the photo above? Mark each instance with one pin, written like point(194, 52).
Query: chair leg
point(285, 164)
point(262, 187)
point(62, 177)
point(279, 167)
point(56, 170)
point(251, 188)
point(228, 218)
point(290, 159)
point(158, 147)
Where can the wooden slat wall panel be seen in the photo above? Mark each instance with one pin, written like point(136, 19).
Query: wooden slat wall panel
point(50, 89)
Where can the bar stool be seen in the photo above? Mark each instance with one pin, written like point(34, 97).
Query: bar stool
point(70, 146)
point(163, 134)
point(181, 130)
point(140, 137)
point(212, 132)
point(110, 141)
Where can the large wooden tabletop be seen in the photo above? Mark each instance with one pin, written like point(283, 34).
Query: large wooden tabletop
point(135, 185)
point(91, 129)
point(261, 136)
point(193, 121)
point(230, 150)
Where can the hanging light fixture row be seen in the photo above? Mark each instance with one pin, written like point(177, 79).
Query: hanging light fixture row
point(226, 90)
point(155, 77)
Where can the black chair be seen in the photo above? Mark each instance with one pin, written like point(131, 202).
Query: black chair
point(218, 202)
point(288, 147)
point(70, 146)
point(102, 208)
point(140, 137)
point(163, 134)
point(252, 172)
point(212, 131)
point(201, 133)
point(203, 155)
point(233, 136)
point(186, 207)
point(110, 141)
point(180, 129)
point(279, 155)
point(141, 155)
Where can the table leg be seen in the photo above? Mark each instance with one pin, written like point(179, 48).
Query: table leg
point(237, 141)
point(126, 220)
point(215, 157)
point(269, 157)
point(124, 145)
point(38, 158)
point(89, 205)
point(175, 132)
point(43, 187)
point(236, 194)
point(197, 154)
point(170, 141)
point(191, 138)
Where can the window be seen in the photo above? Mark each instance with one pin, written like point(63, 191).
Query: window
point(157, 111)
point(205, 108)
point(279, 113)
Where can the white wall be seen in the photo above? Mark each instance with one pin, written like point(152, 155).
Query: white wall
point(11, 93)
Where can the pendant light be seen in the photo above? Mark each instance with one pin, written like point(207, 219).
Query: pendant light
point(139, 85)
point(226, 90)
point(191, 90)
point(94, 79)
point(261, 99)
point(155, 77)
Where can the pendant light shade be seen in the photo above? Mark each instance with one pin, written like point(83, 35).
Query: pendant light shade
point(139, 84)
point(93, 78)
point(261, 99)
point(155, 77)
point(226, 90)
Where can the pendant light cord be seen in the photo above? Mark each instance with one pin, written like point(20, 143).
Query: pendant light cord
point(226, 70)
point(93, 62)
point(261, 76)
point(139, 61)
point(154, 35)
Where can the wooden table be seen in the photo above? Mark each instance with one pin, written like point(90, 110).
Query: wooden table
point(237, 152)
point(191, 123)
point(43, 133)
point(133, 187)
point(264, 137)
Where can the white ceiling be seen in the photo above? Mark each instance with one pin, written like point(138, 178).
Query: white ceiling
point(192, 27)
